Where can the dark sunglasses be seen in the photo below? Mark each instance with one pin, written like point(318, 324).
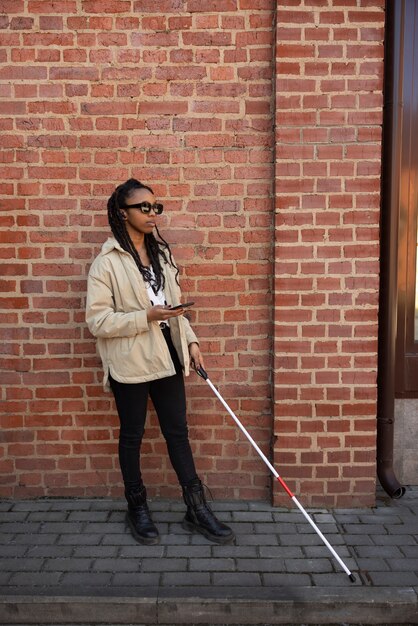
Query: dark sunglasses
point(145, 207)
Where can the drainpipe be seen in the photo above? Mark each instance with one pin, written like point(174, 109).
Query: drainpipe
point(388, 255)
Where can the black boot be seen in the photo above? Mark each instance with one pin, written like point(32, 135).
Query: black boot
point(139, 518)
point(199, 516)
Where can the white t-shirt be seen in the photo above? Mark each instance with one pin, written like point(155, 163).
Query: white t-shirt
point(155, 298)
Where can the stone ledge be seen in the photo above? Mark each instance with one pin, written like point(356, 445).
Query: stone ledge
point(302, 605)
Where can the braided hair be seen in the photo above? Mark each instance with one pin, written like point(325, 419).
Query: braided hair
point(156, 248)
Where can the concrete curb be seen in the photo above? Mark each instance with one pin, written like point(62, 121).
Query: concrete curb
point(302, 605)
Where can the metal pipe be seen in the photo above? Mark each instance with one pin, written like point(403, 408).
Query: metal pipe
point(388, 252)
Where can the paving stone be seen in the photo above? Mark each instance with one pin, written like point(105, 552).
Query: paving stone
point(31, 505)
point(389, 540)
point(323, 518)
point(174, 540)
point(287, 580)
point(410, 551)
point(47, 516)
point(211, 565)
point(172, 529)
point(258, 506)
point(233, 551)
point(116, 565)
point(138, 550)
point(326, 529)
point(374, 564)
point(171, 517)
point(393, 579)
point(230, 505)
point(25, 528)
point(13, 550)
point(21, 564)
point(35, 539)
point(232, 579)
point(185, 578)
point(37, 579)
point(322, 551)
point(240, 528)
point(224, 516)
point(358, 540)
point(67, 565)
point(252, 516)
point(48, 551)
point(82, 539)
point(160, 505)
point(124, 539)
point(5, 577)
point(94, 551)
point(349, 513)
point(196, 539)
point(259, 540)
point(281, 552)
point(107, 504)
point(88, 516)
point(173, 505)
point(378, 551)
point(265, 528)
point(113, 528)
point(261, 565)
point(370, 529)
point(402, 529)
point(284, 528)
point(403, 564)
point(86, 579)
point(302, 540)
point(7, 538)
point(164, 565)
point(189, 551)
point(61, 527)
point(287, 517)
point(79, 504)
point(336, 579)
point(13, 516)
point(380, 518)
point(139, 580)
point(308, 565)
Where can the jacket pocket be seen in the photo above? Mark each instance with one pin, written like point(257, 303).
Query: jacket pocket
point(145, 356)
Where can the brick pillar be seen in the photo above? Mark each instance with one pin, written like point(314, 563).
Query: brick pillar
point(329, 71)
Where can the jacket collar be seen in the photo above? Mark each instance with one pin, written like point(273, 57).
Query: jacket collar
point(112, 244)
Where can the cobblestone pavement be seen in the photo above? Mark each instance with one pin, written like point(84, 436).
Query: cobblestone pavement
point(82, 549)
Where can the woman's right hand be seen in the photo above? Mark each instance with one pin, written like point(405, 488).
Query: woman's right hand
point(160, 313)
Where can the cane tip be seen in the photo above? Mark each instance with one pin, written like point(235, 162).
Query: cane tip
point(352, 578)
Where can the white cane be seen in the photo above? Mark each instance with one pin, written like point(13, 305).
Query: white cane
point(204, 375)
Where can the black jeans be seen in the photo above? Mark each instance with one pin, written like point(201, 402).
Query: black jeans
point(169, 400)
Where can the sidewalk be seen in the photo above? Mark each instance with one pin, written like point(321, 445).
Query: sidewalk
point(74, 562)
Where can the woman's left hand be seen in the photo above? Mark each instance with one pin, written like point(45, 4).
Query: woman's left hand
point(196, 357)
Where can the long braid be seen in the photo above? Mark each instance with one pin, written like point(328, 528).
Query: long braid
point(167, 247)
point(154, 248)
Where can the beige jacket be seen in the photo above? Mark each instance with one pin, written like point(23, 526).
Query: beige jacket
point(132, 349)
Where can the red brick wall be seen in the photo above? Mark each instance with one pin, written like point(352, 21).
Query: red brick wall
point(179, 94)
point(329, 61)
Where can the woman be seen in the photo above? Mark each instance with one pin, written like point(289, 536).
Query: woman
point(145, 346)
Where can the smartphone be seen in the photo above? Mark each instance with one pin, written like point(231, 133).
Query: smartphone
point(181, 306)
